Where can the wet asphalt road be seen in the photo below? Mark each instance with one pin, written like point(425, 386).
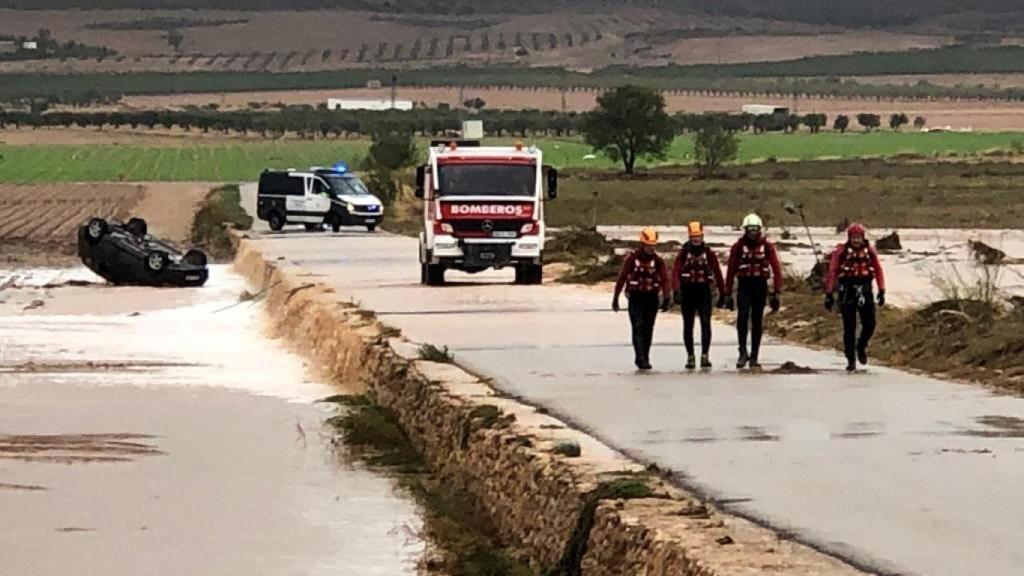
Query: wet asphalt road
point(894, 472)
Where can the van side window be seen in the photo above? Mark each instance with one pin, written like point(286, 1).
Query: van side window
point(319, 187)
point(295, 186)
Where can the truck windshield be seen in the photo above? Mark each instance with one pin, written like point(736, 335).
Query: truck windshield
point(487, 180)
point(346, 185)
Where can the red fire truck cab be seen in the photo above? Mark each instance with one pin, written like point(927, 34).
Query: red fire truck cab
point(483, 208)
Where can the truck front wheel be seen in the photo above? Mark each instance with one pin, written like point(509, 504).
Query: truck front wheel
point(530, 274)
point(433, 274)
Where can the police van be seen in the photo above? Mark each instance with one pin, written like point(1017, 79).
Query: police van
point(318, 196)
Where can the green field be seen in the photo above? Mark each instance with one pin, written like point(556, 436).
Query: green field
point(241, 161)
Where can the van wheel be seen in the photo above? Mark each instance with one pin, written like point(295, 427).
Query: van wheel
point(433, 274)
point(276, 221)
point(371, 227)
point(96, 229)
point(156, 261)
point(335, 223)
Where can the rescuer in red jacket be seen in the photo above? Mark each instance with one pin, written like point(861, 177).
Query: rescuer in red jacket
point(853, 267)
point(693, 271)
point(752, 260)
point(644, 276)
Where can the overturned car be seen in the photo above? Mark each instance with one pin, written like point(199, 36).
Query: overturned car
point(127, 254)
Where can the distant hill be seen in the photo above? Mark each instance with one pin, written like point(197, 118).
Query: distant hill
point(882, 13)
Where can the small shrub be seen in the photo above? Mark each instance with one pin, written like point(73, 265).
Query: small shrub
point(432, 353)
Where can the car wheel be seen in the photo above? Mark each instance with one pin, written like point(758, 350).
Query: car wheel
point(371, 227)
point(276, 221)
point(156, 261)
point(96, 229)
point(195, 258)
point(137, 227)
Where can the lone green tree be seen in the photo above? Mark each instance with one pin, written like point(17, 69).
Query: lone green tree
point(390, 152)
point(629, 123)
point(713, 147)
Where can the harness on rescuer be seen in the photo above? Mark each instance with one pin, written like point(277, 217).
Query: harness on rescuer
point(695, 269)
point(645, 277)
point(753, 261)
point(857, 263)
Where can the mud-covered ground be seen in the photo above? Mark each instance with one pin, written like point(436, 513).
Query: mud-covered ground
point(159, 431)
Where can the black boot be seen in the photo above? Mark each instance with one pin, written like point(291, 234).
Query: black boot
point(862, 354)
point(754, 364)
point(705, 362)
point(851, 366)
point(743, 359)
point(691, 362)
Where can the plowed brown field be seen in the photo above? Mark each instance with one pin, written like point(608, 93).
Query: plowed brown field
point(38, 223)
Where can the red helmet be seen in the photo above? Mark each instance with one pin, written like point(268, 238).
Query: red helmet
point(856, 229)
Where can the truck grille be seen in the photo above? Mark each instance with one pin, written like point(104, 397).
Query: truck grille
point(478, 226)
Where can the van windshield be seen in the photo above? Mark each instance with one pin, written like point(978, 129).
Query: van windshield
point(487, 180)
point(346, 185)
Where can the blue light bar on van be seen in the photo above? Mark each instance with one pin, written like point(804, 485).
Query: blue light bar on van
point(340, 167)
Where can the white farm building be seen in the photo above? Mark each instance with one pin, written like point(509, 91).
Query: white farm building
point(368, 104)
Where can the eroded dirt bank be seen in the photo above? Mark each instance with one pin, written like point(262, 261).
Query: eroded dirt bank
point(598, 513)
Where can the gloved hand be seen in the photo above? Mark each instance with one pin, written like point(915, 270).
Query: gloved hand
point(615, 304)
point(881, 298)
point(729, 304)
point(830, 301)
point(678, 297)
point(773, 302)
point(666, 303)
point(721, 301)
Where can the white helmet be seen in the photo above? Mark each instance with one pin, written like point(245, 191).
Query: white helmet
point(752, 221)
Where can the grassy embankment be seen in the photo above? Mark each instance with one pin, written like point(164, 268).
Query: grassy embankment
point(221, 208)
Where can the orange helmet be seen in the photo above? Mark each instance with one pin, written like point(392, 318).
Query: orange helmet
point(695, 229)
point(649, 236)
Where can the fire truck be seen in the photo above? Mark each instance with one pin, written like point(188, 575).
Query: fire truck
point(483, 208)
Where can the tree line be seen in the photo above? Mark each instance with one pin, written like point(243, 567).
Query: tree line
point(309, 122)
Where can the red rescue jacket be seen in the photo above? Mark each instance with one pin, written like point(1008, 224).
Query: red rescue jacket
point(699, 268)
point(643, 274)
point(849, 263)
point(752, 260)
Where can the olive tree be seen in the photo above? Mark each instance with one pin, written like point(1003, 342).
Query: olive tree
point(629, 123)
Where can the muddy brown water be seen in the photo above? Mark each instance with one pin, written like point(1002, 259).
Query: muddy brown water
point(171, 439)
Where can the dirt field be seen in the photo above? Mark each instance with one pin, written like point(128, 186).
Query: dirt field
point(339, 39)
point(38, 223)
point(976, 115)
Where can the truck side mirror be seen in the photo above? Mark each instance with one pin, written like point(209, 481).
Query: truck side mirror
point(552, 183)
point(421, 177)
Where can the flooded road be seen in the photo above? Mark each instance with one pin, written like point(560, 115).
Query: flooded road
point(147, 431)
